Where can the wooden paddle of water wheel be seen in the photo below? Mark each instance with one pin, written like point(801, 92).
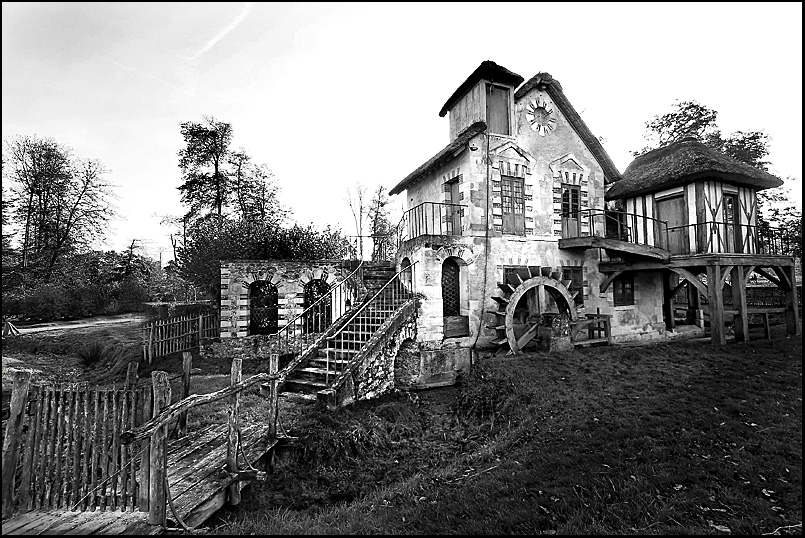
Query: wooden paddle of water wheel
point(531, 296)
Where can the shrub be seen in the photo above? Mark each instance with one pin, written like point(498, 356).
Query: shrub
point(489, 395)
point(92, 353)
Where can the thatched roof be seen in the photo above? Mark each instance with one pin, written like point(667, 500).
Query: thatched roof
point(488, 70)
point(442, 157)
point(545, 82)
point(682, 162)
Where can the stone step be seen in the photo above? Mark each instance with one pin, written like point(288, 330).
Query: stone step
point(337, 358)
point(304, 385)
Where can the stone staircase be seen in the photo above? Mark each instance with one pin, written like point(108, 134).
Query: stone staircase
point(333, 355)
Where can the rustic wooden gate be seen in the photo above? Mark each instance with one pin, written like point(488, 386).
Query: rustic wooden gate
point(65, 450)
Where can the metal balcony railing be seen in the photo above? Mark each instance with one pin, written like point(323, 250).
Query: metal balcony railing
point(727, 238)
point(431, 218)
point(618, 225)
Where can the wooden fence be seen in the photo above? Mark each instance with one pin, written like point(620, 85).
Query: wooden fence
point(62, 446)
point(165, 336)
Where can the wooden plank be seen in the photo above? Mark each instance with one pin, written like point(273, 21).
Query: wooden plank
point(145, 451)
point(34, 430)
point(86, 447)
point(39, 487)
point(104, 451)
point(132, 480)
point(77, 424)
point(121, 451)
point(741, 320)
point(236, 376)
point(95, 451)
point(58, 455)
point(114, 455)
point(50, 472)
point(31, 523)
point(11, 439)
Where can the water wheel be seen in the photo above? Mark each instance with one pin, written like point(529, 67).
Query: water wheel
point(524, 302)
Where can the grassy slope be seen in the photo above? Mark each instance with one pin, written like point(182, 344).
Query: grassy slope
point(679, 437)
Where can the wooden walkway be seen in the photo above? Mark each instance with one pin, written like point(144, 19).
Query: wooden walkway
point(197, 480)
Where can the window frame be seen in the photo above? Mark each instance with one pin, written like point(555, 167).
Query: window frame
point(575, 273)
point(620, 295)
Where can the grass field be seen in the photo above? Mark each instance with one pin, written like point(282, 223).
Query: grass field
point(678, 437)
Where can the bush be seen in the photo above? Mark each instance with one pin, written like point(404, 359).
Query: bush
point(489, 395)
point(92, 354)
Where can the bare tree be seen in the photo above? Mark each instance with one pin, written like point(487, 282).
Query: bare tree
point(356, 202)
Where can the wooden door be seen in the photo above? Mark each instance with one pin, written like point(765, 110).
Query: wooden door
point(571, 196)
point(672, 210)
point(732, 229)
point(497, 109)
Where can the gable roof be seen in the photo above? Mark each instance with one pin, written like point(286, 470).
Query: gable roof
point(544, 81)
point(488, 70)
point(682, 162)
point(440, 158)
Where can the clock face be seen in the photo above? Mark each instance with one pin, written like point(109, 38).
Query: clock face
point(540, 116)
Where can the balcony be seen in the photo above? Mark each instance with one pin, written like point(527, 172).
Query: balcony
point(626, 233)
point(431, 219)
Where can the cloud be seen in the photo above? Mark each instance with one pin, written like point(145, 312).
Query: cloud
point(187, 70)
point(247, 7)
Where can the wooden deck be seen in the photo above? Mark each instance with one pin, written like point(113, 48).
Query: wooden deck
point(197, 483)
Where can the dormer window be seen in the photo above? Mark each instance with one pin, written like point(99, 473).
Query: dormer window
point(497, 109)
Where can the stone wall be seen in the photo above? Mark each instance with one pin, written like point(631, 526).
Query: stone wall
point(290, 278)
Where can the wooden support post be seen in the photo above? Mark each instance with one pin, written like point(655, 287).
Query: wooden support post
point(187, 365)
point(273, 363)
point(233, 443)
point(791, 306)
point(11, 440)
point(273, 406)
point(131, 374)
point(741, 319)
point(668, 302)
point(145, 413)
point(716, 302)
point(159, 455)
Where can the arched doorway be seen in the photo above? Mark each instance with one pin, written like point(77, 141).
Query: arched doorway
point(451, 290)
point(263, 311)
point(321, 315)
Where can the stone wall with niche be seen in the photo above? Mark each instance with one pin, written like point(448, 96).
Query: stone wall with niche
point(290, 277)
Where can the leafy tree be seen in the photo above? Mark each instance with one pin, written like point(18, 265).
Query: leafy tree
point(205, 182)
point(62, 202)
point(211, 240)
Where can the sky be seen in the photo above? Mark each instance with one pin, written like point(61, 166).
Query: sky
point(330, 95)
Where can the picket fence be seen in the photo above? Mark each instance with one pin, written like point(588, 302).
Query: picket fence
point(179, 333)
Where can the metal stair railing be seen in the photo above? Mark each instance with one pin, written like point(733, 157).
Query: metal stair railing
point(381, 306)
point(301, 330)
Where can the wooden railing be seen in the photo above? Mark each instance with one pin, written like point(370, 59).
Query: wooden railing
point(154, 433)
point(179, 333)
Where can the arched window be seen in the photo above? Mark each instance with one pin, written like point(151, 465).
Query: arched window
point(263, 295)
point(321, 315)
point(451, 295)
